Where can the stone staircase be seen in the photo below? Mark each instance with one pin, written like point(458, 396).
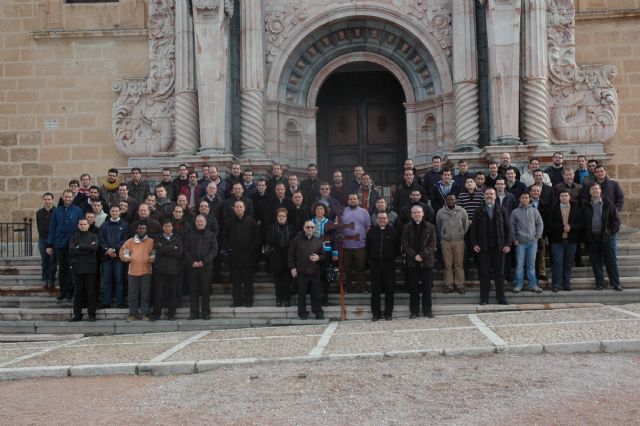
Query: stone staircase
point(22, 297)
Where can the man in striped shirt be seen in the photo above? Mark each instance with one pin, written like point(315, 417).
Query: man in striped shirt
point(469, 199)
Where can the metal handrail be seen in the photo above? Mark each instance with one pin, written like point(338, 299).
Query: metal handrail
point(16, 238)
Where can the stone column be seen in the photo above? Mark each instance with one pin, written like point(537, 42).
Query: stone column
point(252, 106)
point(187, 121)
point(503, 34)
point(211, 27)
point(534, 95)
point(465, 76)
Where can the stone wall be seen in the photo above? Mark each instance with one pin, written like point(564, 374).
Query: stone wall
point(55, 92)
point(607, 32)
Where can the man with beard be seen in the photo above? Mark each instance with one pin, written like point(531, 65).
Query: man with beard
point(109, 188)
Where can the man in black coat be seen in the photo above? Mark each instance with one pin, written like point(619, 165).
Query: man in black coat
point(242, 238)
point(167, 269)
point(200, 247)
point(82, 249)
point(490, 238)
point(402, 195)
point(382, 246)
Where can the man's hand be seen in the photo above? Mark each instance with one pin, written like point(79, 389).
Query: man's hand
point(49, 251)
point(294, 272)
point(515, 243)
point(476, 248)
point(506, 249)
point(314, 257)
point(566, 228)
point(418, 258)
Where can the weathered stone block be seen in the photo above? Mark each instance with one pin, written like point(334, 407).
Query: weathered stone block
point(8, 139)
point(37, 169)
point(23, 154)
point(9, 170)
point(29, 139)
point(4, 155)
point(39, 184)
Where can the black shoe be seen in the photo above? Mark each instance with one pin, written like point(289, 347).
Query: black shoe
point(460, 290)
point(279, 304)
point(194, 317)
point(248, 304)
point(206, 317)
point(121, 306)
point(287, 303)
point(105, 306)
point(413, 316)
point(375, 318)
point(567, 289)
point(171, 317)
point(617, 288)
point(388, 317)
point(555, 289)
point(599, 288)
point(235, 305)
point(320, 316)
point(484, 303)
point(504, 302)
point(428, 314)
point(76, 318)
point(543, 277)
point(92, 318)
point(303, 317)
point(447, 290)
point(60, 296)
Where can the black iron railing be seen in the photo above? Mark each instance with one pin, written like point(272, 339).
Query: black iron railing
point(16, 239)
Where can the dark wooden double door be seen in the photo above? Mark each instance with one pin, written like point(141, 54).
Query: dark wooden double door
point(361, 121)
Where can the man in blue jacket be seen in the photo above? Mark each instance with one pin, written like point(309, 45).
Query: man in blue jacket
point(113, 234)
point(63, 225)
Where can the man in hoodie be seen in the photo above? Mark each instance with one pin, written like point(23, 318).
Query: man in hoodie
point(527, 230)
point(452, 223)
point(200, 248)
point(82, 249)
point(113, 234)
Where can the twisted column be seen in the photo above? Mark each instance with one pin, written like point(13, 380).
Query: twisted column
point(535, 123)
point(252, 110)
point(465, 76)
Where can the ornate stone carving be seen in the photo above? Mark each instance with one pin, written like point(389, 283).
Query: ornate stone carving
point(437, 15)
point(583, 102)
point(280, 19)
point(144, 112)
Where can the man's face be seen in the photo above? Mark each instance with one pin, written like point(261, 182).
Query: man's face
point(470, 184)
point(595, 191)
point(524, 199)
point(408, 165)
point(382, 220)
point(67, 198)
point(205, 172)
point(238, 209)
point(123, 192)
point(262, 187)
point(182, 201)
point(247, 177)
point(557, 159)
point(337, 178)
point(505, 158)
point(500, 186)
point(325, 191)
point(381, 205)
point(535, 192)
point(463, 167)
point(166, 176)
point(415, 196)
point(161, 191)
point(203, 208)
point(534, 165)
point(136, 176)
point(319, 211)
point(141, 230)
point(511, 175)
point(366, 181)
point(178, 212)
point(83, 225)
point(490, 196)
point(111, 177)
point(582, 163)
point(451, 201)
point(276, 171)
point(74, 187)
point(193, 179)
point(436, 162)
point(212, 190)
point(85, 181)
point(353, 200)
point(114, 213)
point(538, 177)
point(183, 171)
point(213, 173)
point(408, 177)
point(124, 206)
point(591, 165)
point(94, 194)
point(235, 170)
point(293, 181)
point(237, 190)
point(151, 201)
point(358, 172)
point(480, 180)
point(565, 198)
point(97, 207)
point(201, 223)
point(493, 169)
point(143, 211)
point(297, 199)
point(600, 173)
point(167, 228)
point(446, 178)
point(312, 172)
point(281, 218)
point(91, 217)
point(417, 215)
point(48, 201)
point(567, 175)
point(309, 228)
point(280, 191)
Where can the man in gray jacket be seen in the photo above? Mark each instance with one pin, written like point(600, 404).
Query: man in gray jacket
point(527, 230)
point(452, 223)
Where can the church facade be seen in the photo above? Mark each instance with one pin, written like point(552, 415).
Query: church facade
point(90, 85)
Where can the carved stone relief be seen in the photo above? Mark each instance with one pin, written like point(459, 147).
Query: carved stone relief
point(280, 18)
point(583, 102)
point(436, 14)
point(143, 115)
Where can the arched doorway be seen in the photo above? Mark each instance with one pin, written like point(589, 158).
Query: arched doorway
point(361, 121)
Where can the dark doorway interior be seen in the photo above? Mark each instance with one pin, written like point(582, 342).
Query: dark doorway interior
point(361, 121)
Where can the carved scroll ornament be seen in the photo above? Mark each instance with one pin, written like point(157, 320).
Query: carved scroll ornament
point(437, 15)
point(280, 19)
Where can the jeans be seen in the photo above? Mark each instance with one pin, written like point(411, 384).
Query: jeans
point(599, 252)
point(526, 254)
point(563, 254)
point(112, 271)
point(47, 263)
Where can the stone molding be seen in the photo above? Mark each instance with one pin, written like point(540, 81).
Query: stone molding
point(583, 101)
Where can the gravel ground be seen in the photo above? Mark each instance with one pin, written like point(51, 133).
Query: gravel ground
point(545, 389)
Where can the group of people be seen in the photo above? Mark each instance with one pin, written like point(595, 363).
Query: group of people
point(173, 240)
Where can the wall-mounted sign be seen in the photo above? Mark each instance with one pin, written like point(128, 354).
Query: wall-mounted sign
point(51, 124)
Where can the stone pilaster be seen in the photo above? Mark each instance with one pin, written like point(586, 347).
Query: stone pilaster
point(252, 105)
point(535, 122)
point(187, 121)
point(465, 76)
point(211, 27)
point(503, 34)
